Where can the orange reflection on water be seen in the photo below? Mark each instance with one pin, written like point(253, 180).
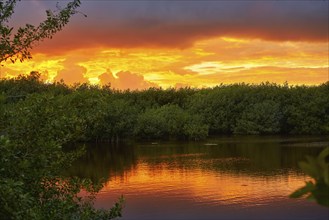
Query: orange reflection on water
point(205, 186)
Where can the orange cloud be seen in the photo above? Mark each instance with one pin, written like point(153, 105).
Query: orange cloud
point(125, 80)
point(106, 78)
point(307, 76)
point(207, 63)
point(181, 85)
point(72, 74)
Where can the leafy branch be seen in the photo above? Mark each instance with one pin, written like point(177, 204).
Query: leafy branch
point(17, 46)
point(317, 168)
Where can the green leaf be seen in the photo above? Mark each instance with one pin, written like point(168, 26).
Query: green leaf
point(302, 191)
point(321, 194)
point(324, 154)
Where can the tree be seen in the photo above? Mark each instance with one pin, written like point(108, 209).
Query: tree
point(32, 157)
point(17, 46)
point(260, 118)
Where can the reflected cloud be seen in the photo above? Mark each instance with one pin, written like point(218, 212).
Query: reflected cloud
point(237, 176)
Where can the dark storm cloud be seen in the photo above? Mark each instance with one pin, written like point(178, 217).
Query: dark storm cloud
point(181, 23)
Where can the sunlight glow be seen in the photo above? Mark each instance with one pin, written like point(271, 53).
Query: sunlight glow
point(208, 63)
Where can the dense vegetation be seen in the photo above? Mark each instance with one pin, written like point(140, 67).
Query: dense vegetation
point(92, 113)
point(34, 129)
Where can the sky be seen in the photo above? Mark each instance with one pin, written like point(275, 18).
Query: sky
point(137, 44)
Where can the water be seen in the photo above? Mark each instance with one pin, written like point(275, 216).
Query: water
point(221, 178)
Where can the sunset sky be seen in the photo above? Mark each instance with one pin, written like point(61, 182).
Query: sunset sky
point(140, 44)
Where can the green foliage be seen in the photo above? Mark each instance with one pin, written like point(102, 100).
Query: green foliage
point(150, 124)
point(260, 118)
point(304, 114)
point(18, 88)
point(17, 46)
point(170, 121)
point(194, 128)
point(318, 169)
point(33, 161)
point(102, 114)
point(119, 120)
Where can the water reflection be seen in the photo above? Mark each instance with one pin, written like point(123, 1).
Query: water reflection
point(101, 162)
point(223, 178)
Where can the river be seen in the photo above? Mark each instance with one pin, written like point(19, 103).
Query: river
point(220, 178)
